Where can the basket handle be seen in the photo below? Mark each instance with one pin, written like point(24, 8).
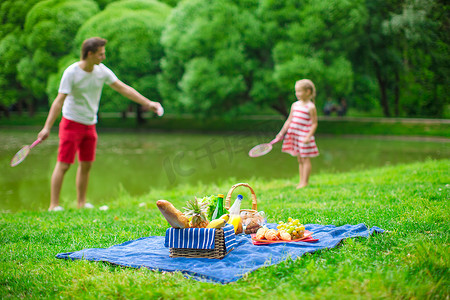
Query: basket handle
point(228, 199)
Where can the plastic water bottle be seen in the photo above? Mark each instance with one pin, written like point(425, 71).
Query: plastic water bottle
point(235, 210)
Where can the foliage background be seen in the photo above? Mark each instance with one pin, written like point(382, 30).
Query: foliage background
point(235, 57)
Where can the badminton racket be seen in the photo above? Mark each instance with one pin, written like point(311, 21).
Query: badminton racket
point(22, 153)
point(262, 149)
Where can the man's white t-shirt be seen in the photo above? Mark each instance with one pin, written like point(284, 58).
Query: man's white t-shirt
point(83, 91)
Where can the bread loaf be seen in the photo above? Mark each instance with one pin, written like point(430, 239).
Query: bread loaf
point(175, 217)
point(260, 234)
point(252, 227)
point(271, 235)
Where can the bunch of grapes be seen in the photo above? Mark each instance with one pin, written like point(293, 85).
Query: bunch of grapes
point(293, 227)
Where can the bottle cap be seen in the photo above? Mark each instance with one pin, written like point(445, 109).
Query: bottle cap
point(239, 197)
point(220, 195)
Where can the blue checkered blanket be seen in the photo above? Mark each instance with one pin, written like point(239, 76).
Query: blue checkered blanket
point(150, 252)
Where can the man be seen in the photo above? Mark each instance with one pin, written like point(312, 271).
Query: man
point(78, 98)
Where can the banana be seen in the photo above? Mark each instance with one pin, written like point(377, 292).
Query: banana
point(225, 217)
point(217, 223)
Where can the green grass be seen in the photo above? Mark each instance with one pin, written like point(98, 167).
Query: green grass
point(410, 261)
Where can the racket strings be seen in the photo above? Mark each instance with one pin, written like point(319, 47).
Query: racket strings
point(20, 155)
point(260, 150)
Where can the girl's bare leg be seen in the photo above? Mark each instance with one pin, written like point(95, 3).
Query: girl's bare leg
point(306, 163)
point(84, 168)
point(56, 184)
point(300, 170)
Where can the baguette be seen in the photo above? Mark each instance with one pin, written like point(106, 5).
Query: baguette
point(175, 217)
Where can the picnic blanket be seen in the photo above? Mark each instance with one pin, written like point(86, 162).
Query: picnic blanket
point(150, 252)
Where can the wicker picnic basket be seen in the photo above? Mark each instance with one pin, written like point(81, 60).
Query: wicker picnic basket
point(249, 213)
point(218, 252)
point(254, 202)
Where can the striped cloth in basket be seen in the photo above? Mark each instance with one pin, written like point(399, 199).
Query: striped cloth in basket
point(198, 238)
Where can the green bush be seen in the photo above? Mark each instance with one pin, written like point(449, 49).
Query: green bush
point(208, 61)
point(220, 55)
point(12, 17)
point(133, 52)
point(49, 33)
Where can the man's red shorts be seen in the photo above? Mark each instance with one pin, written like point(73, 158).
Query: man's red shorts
point(75, 137)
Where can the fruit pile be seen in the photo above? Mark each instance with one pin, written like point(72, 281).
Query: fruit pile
point(293, 227)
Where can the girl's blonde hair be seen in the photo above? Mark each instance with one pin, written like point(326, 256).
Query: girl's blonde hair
point(309, 85)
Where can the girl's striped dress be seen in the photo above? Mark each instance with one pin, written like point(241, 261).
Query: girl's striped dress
point(297, 131)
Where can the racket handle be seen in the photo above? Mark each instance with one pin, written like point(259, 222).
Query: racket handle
point(275, 140)
point(35, 143)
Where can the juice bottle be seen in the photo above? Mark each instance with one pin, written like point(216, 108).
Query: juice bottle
point(235, 220)
point(235, 217)
point(218, 212)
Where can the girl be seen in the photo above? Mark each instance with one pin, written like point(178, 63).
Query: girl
point(299, 129)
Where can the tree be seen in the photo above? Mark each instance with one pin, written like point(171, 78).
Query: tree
point(103, 3)
point(222, 54)
point(423, 78)
point(208, 61)
point(133, 29)
point(49, 32)
point(10, 88)
point(309, 39)
point(12, 14)
point(405, 47)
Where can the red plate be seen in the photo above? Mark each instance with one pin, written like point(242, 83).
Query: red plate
point(305, 236)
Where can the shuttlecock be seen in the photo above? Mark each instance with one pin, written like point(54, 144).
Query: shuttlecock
point(160, 111)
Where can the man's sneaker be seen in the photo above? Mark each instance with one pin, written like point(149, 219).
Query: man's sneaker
point(88, 205)
point(57, 208)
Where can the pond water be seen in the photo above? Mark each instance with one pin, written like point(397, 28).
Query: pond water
point(137, 162)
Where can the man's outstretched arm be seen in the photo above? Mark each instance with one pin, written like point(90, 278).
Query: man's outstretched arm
point(135, 96)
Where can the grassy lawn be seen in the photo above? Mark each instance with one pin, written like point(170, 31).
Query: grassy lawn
point(410, 260)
